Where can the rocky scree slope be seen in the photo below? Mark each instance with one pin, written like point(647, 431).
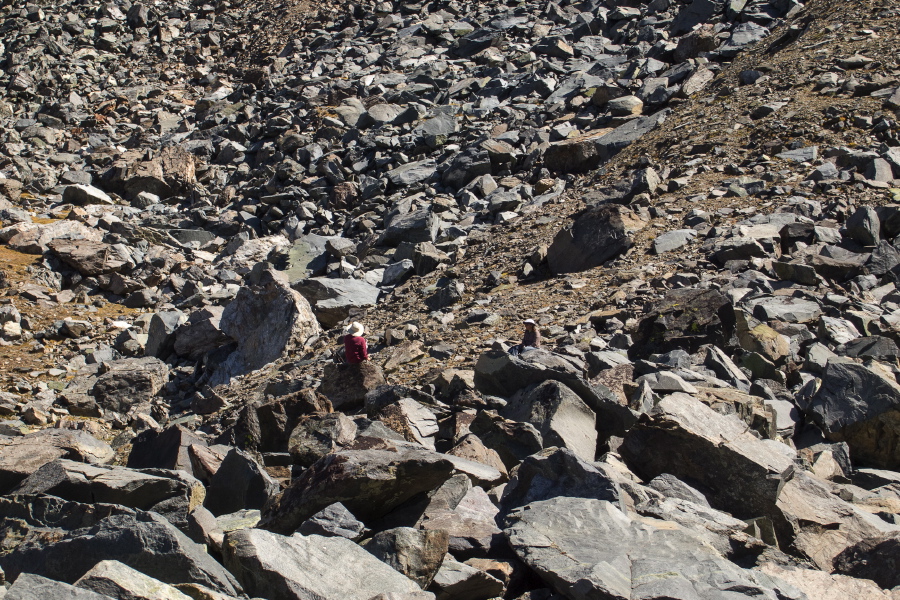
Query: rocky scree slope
point(695, 201)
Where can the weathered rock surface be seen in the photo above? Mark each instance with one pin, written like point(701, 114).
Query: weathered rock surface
point(860, 406)
point(309, 567)
point(370, 483)
point(22, 456)
point(87, 534)
point(587, 548)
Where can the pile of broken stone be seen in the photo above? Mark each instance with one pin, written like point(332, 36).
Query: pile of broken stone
point(725, 432)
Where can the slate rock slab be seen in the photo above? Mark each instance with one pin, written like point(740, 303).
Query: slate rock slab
point(22, 456)
point(311, 567)
point(370, 483)
point(586, 549)
point(87, 534)
point(34, 587)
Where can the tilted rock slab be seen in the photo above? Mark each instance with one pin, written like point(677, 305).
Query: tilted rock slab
point(312, 567)
point(588, 549)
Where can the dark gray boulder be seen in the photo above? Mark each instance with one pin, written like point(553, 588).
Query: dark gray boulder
point(497, 373)
point(172, 494)
point(370, 483)
point(83, 535)
point(167, 449)
point(559, 472)
point(127, 382)
point(239, 483)
point(417, 553)
point(859, 405)
point(561, 417)
point(331, 521)
point(22, 456)
point(598, 234)
point(877, 559)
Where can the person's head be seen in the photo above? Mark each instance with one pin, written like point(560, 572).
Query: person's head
point(355, 329)
point(530, 324)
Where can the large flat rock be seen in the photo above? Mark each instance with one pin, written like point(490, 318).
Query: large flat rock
point(312, 567)
point(588, 549)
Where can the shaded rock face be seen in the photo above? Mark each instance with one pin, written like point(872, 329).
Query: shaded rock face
point(346, 385)
point(167, 449)
point(370, 483)
point(598, 235)
point(554, 473)
point(860, 406)
point(875, 559)
point(86, 534)
point(239, 483)
point(685, 319)
point(173, 494)
point(266, 322)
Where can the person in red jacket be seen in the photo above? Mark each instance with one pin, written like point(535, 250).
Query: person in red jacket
point(355, 348)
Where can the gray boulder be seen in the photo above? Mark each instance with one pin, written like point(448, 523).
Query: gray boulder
point(599, 234)
point(116, 580)
point(34, 587)
point(267, 321)
point(561, 417)
point(414, 227)
point(497, 373)
point(128, 382)
point(87, 534)
point(370, 483)
point(202, 333)
point(312, 567)
point(416, 553)
point(333, 299)
point(87, 257)
point(346, 385)
point(167, 449)
point(160, 334)
point(459, 581)
point(239, 483)
point(858, 405)
point(331, 521)
point(877, 559)
point(318, 435)
point(22, 456)
point(746, 476)
point(559, 472)
point(585, 548)
point(591, 150)
point(172, 494)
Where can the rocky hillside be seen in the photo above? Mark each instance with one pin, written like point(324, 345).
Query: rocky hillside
point(697, 201)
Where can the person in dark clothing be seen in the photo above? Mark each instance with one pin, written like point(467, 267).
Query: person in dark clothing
point(530, 341)
point(355, 348)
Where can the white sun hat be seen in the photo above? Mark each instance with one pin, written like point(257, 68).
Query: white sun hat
point(355, 328)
